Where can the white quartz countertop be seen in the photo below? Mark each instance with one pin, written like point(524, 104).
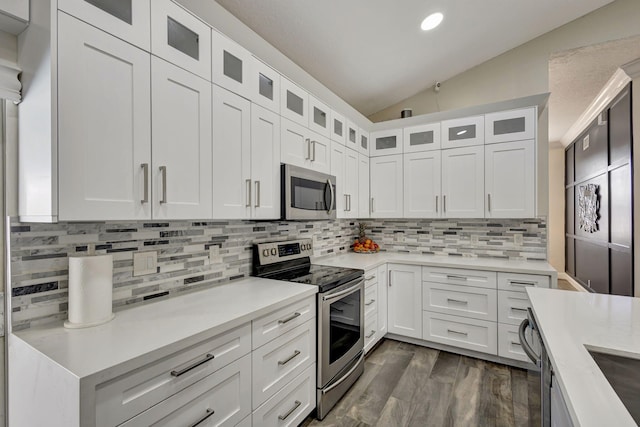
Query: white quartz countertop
point(367, 261)
point(572, 321)
point(164, 326)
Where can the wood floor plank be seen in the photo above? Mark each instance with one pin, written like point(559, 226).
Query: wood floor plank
point(496, 405)
point(416, 373)
point(395, 413)
point(520, 397)
point(431, 404)
point(465, 400)
point(445, 368)
point(533, 379)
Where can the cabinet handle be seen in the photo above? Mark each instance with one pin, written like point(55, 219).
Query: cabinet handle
point(257, 194)
point(289, 359)
point(308, 142)
point(248, 182)
point(451, 276)
point(389, 278)
point(436, 204)
point(489, 202)
point(370, 302)
point(145, 192)
point(516, 343)
point(519, 309)
point(369, 278)
point(459, 301)
point(163, 171)
point(372, 333)
point(291, 411)
point(371, 207)
point(457, 332)
point(209, 357)
point(349, 202)
point(209, 413)
point(313, 151)
point(289, 319)
point(444, 203)
point(515, 283)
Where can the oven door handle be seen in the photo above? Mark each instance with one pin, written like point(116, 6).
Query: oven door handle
point(342, 293)
point(341, 380)
point(525, 345)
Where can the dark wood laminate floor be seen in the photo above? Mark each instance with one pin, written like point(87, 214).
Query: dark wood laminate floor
point(408, 385)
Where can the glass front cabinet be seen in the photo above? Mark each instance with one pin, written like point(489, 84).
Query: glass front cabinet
point(386, 142)
point(464, 132)
point(422, 138)
point(514, 125)
point(231, 65)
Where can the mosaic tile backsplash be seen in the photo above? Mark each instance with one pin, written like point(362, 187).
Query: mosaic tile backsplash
point(39, 253)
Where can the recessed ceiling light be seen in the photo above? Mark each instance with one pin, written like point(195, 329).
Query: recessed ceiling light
point(432, 21)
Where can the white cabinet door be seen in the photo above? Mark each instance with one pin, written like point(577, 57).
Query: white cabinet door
point(405, 300)
point(463, 182)
point(265, 163)
point(320, 153)
point(338, 128)
point(181, 130)
point(180, 38)
point(386, 186)
point(363, 145)
point(421, 138)
point(514, 125)
point(353, 135)
point(422, 185)
point(129, 20)
point(104, 119)
point(338, 159)
point(231, 65)
point(264, 83)
point(231, 155)
point(295, 144)
point(293, 102)
point(386, 142)
point(463, 132)
point(510, 179)
point(319, 117)
point(363, 187)
point(383, 280)
point(351, 174)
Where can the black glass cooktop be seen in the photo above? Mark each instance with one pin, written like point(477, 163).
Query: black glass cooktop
point(323, 276)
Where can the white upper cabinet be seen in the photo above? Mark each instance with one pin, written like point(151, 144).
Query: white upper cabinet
point(510, 180)
point(463, 132)
point(352, 135)
point(386, 187)
point(301, 147)
point(320, 153)
point(463, 182)
point(386, 142)
point(265, 163)
point(422, 197)
point(422, 138)
point(363, 185)
point(264, 83)
point(338, 156)
point(126, 19)
point(351, 177)
point(319, 117)
point(514, 125)
point(293, 102)
point(181, 131)
point(363, 145)
point(338, 128)
point(231, 155)
point(180, 38)
point(231, 65)
point(104, 125)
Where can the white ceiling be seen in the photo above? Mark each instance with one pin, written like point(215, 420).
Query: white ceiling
point(373, 54)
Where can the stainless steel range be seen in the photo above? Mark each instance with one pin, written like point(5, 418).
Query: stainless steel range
point(340, 313)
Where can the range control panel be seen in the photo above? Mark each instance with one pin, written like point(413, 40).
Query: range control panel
point(283, 251)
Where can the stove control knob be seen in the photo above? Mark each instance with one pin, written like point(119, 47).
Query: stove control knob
point(309, 247)
point(265, 252)
point(303, 247)
point(273, 251)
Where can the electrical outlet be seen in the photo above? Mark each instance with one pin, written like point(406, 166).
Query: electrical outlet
point(518, 239)
point(214, 252)
point(474, 239)
point(145, 263)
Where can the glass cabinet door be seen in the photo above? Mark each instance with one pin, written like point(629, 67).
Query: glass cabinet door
point(463, 132)
point(353, 135)
point(422, 138)
point(319, 117)
point(338, 128)
point(293, 102)
point(386, 142)
point(231, 65)
point(363, 146)
point(264, 85)
point(514, 125)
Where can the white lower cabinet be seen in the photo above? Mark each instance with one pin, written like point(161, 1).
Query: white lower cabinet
point(383, 278)
point(509, 342)
point(472, 334)
point(371, 307)
point(460, 300)
point(405, 300)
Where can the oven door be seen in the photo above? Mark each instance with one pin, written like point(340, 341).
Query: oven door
point(340, 329)
point(307, 194)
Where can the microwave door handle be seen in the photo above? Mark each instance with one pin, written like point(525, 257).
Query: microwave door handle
point(333, 196)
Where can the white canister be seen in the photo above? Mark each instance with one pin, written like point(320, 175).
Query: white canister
point(90, 291)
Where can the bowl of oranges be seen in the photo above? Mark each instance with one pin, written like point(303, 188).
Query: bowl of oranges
point(367, 246)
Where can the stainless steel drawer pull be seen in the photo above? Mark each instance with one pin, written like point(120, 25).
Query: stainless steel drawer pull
point(451, 276)
point(289, 359)
point(257, 205)
point(459, 301)
point(516, 343)
point(451, 331)
point(489, 202)
point(436, 204)
point(370, 302)
point(206, 359)
point(210, 412)
point(369, 277)
point(163, 171)
point(290, 411)
point(248, 182)
point(308, 155)
point(313, 151)
point(145, 173)
point(370, 335)
point(519, 309)
point(521, 283)
point(289, 319)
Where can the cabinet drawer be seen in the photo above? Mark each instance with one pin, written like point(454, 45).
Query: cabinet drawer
point(519, 282)
point(467, 301)
point(222, 398)
point(134, 392)
point(512, 307)
point(275, 324)
point(507, 126)
point(370, 302)
point(456, 276)
point(279, 361)
point(180, 38)
point(291, 405)
point(371, 277)
point(370, 333)
point(125, 19)
point(509, 343)
point(472, 334)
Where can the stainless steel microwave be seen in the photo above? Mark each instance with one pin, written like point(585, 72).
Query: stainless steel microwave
point(307, 194)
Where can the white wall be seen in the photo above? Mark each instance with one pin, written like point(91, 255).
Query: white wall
point(8, 47)
point(523, 70)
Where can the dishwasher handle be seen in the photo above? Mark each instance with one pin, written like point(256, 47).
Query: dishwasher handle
point(525, 345)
